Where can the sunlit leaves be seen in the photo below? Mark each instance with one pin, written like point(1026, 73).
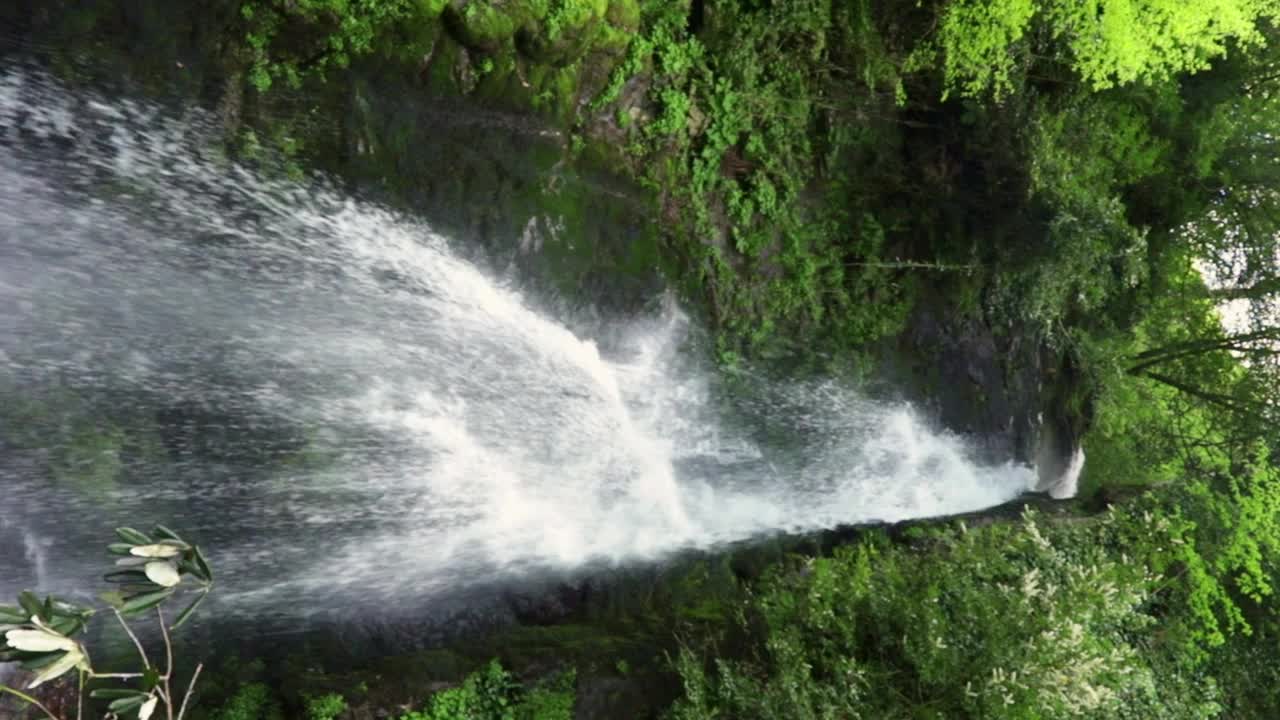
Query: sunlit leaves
point(983, 43)
point(975, 42)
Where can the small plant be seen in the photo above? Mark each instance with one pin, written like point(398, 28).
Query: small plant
point(40, 635)
point(326, 707)
point(251, 702)
point(491, 693)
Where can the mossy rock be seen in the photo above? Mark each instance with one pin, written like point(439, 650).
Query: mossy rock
point(563, 31)
point(484, 25)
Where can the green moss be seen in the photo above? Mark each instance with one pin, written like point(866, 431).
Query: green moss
point(561, 31)
point(580, 644)
point(484, 26)
point(624, 14)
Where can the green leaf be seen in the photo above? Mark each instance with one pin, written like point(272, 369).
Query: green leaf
point(31, 604)
point(42, 660)
point(203, 563)
point(186, 613)
point(11, 614)
point(124, 705)
point(66, 626)
point(145, 601)
point(174, 544)
point(132, 536)
point(126, 576)
point(116, 693)
point(161, 531)
point(190, 567)
point(62, 608)
point(119, 548)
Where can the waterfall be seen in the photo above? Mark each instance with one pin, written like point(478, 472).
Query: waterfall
point(332, 398)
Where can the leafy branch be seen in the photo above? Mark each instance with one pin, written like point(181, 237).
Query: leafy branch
point(151, 569)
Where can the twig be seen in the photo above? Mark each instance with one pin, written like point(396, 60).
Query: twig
point(915, 265)
point(168, 663)
point(146, 663)
point(80, 695)
point(168, 646)
point(29, 699)
point(117, 676)
point(190, 689)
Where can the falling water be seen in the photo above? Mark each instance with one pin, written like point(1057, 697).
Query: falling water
point(326, 393)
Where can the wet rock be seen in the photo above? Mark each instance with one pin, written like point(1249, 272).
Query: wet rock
point(1010, 394)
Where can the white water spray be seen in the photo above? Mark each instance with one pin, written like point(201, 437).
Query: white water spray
point(453, 432)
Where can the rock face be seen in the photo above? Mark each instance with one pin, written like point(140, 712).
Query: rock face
point(1011, 395)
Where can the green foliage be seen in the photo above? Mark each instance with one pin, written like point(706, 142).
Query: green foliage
point(985, 45)
point(734, 147)
point(253, 701)
point(290, 40)
point(326, 707)
point(491, 693)
point(1032, 620)
point(978, 42)
point(1121, 41)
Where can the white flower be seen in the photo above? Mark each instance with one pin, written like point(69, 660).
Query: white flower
point(1031, 583)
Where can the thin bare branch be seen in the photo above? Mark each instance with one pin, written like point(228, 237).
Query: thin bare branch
point(168, 663)
point(191, 688)
point(146, 662)
point(168, 645)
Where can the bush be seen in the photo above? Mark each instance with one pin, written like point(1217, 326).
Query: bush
point(1033, 620)
point(491, 693)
